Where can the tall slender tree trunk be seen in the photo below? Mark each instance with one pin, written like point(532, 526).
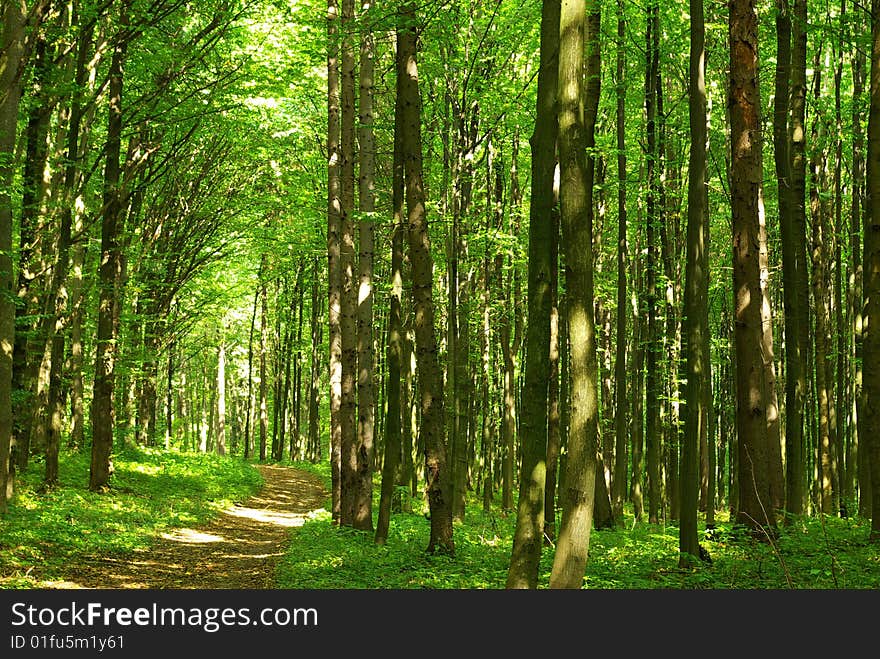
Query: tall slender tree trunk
point(554, 402)
point(871, 261)
point(394, 407)
point(638, 434)
point(794, 364)
point(821, 298)
point(530, 520)
point(857, 217)
point(334, 272)
point(347, 250)
point(753, 399)
point(264, 358)
point(109, 273)
point(512, 325)
point(314, 443)
point(221, 396)
point(652, 347)
point(363, 505)
point(695, 329)
point(11, 62)
point(576, 136)
point(620, 429)
point(430, 385)
point(248, 439)
point(30, 362)
point(797, 244)
point(842, 343)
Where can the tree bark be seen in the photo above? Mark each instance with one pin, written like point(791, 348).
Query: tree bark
point(530, 517)
point(695, 323)
point(652, 347)
point(314, 443)
point(752, 397)
point(620, 458)
point(576, 136)
point(430, 385)
point(794, 364)
point(109, 273)
point(334, 272)
point(796, 243)
point(13, 47)
point(871, 261)
point(363, 505)
point(264, 358)
point(347, 250)
point(857, 218)
point(394, 348)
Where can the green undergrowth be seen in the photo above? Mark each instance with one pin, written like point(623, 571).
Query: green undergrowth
point(151, 491)
point(808, 554)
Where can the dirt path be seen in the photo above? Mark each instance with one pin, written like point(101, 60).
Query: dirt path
point(240, 548)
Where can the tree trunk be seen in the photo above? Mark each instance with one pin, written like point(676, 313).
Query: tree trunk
point(554, 402)
point(363, 505)
point(221, 396)
point(394, 406)
point(856, 220)
point(797, 245)
point(753, 398)
point(695, 323)
point(348, 299)
point(652, 348)
point(334, 272)
point(620, 458)
point(30, 361)
point(794, 365)
point(530, 517)
point(315, 379)
point(821, 292)
point(871, 261)
point(264, 358)
point(109, 274)
point(430, 385)
point(576, 136)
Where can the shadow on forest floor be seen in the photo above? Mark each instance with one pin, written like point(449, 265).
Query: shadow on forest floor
point(238, 549)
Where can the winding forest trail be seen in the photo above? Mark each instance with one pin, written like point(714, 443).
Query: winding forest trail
point(239, 549)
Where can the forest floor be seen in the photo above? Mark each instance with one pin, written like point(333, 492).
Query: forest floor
point(239, 549)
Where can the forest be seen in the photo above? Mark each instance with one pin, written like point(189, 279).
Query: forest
point(440, 294)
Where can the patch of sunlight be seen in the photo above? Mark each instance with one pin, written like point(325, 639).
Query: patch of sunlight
point(148, 469)
point(490, 542)
point(269, 516)
point(61, 585)
point(191, 536)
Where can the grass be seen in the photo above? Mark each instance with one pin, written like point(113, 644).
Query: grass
point(807, 554)
point(155, 490)
point(152, 491)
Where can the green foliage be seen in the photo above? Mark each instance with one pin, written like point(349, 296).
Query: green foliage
point(151, 491)
point(635, 556)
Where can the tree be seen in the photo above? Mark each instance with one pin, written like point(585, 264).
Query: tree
point(575, 201)
point(653, 208)
point(334, 272)
point(695, 330)
point(110, 271)
point(528, 537)
point(13, 47)
point(364, 497)
point(871, 264)
point(794, 364)
point(395, 408)
point(620, 429)
point(752, 397)
point(430, 386)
